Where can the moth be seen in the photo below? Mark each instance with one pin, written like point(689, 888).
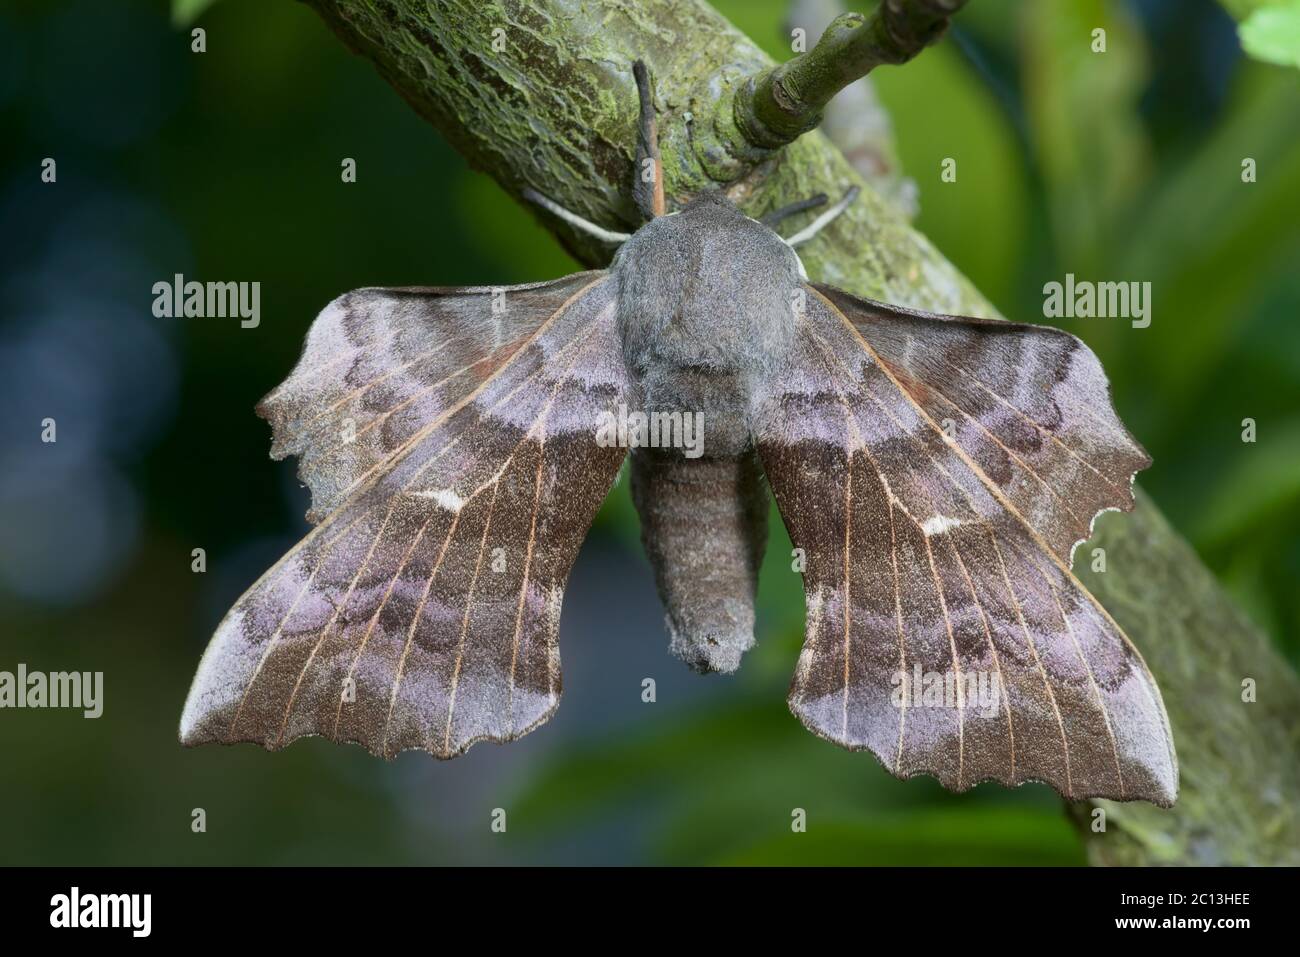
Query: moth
point(934, 471)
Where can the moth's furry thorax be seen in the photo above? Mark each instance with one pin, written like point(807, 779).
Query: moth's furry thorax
point(705, 310)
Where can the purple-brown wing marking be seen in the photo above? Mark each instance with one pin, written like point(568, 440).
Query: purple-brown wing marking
point(380, 364)
point(948, 549)
point(1029, 405)
point(422, 611)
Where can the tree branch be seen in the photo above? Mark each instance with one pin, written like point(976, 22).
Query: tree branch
point(786, 101)
point(854, 119)
point(541, 94)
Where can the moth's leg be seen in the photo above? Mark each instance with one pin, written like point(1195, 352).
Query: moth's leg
point(818, 224)
point(648, 186)
point(777, 215)
point(573, 219)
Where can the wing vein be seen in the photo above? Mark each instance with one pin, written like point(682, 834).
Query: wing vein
point(902, 639)
point(1092, 678)
point(1033, 650)
point(1019, 461)
point(847, 601)
point(338, 610)
point(464, 622)
point(523, 586)
point(374, 619)
point(997, 661)
point(426, 430)
point(956, 666)
point(279, 628)
point(1040, 427)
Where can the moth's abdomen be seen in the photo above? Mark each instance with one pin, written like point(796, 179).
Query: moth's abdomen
point(704, 526)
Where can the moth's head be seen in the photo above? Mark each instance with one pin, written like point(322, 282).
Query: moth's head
point(713, 206)
point(712, 232)
point(711, 199)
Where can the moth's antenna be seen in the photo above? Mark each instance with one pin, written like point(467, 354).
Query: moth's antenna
point(816, 226)
point(648, 187)
point(573, 219)
point(785, 212)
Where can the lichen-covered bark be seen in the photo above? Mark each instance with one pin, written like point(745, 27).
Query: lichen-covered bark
point(541, 94)
point(554, 107)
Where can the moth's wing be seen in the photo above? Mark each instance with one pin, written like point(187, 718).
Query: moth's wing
point(380, 364)
point(1029, 405)
point(926, 572)
point(422, 611)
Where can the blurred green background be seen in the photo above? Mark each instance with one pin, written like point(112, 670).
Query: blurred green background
point(225, 165)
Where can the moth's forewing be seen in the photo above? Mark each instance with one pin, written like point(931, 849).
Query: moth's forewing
point(937, 471)
point(1030, 405)
point(449, 439)
point(379, 365)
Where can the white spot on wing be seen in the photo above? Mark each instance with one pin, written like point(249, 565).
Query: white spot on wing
point(938, 524)
point(445, 497)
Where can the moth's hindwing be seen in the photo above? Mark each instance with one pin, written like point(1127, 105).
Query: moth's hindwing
point(449, 440)
point(937, 471)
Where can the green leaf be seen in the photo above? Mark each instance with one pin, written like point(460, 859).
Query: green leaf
point(185, 12)
point(1272, 34)
point(1241, 9)
point(1085, 126)
point(1263, 481)
point(1209, 243)
point(980, 220)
